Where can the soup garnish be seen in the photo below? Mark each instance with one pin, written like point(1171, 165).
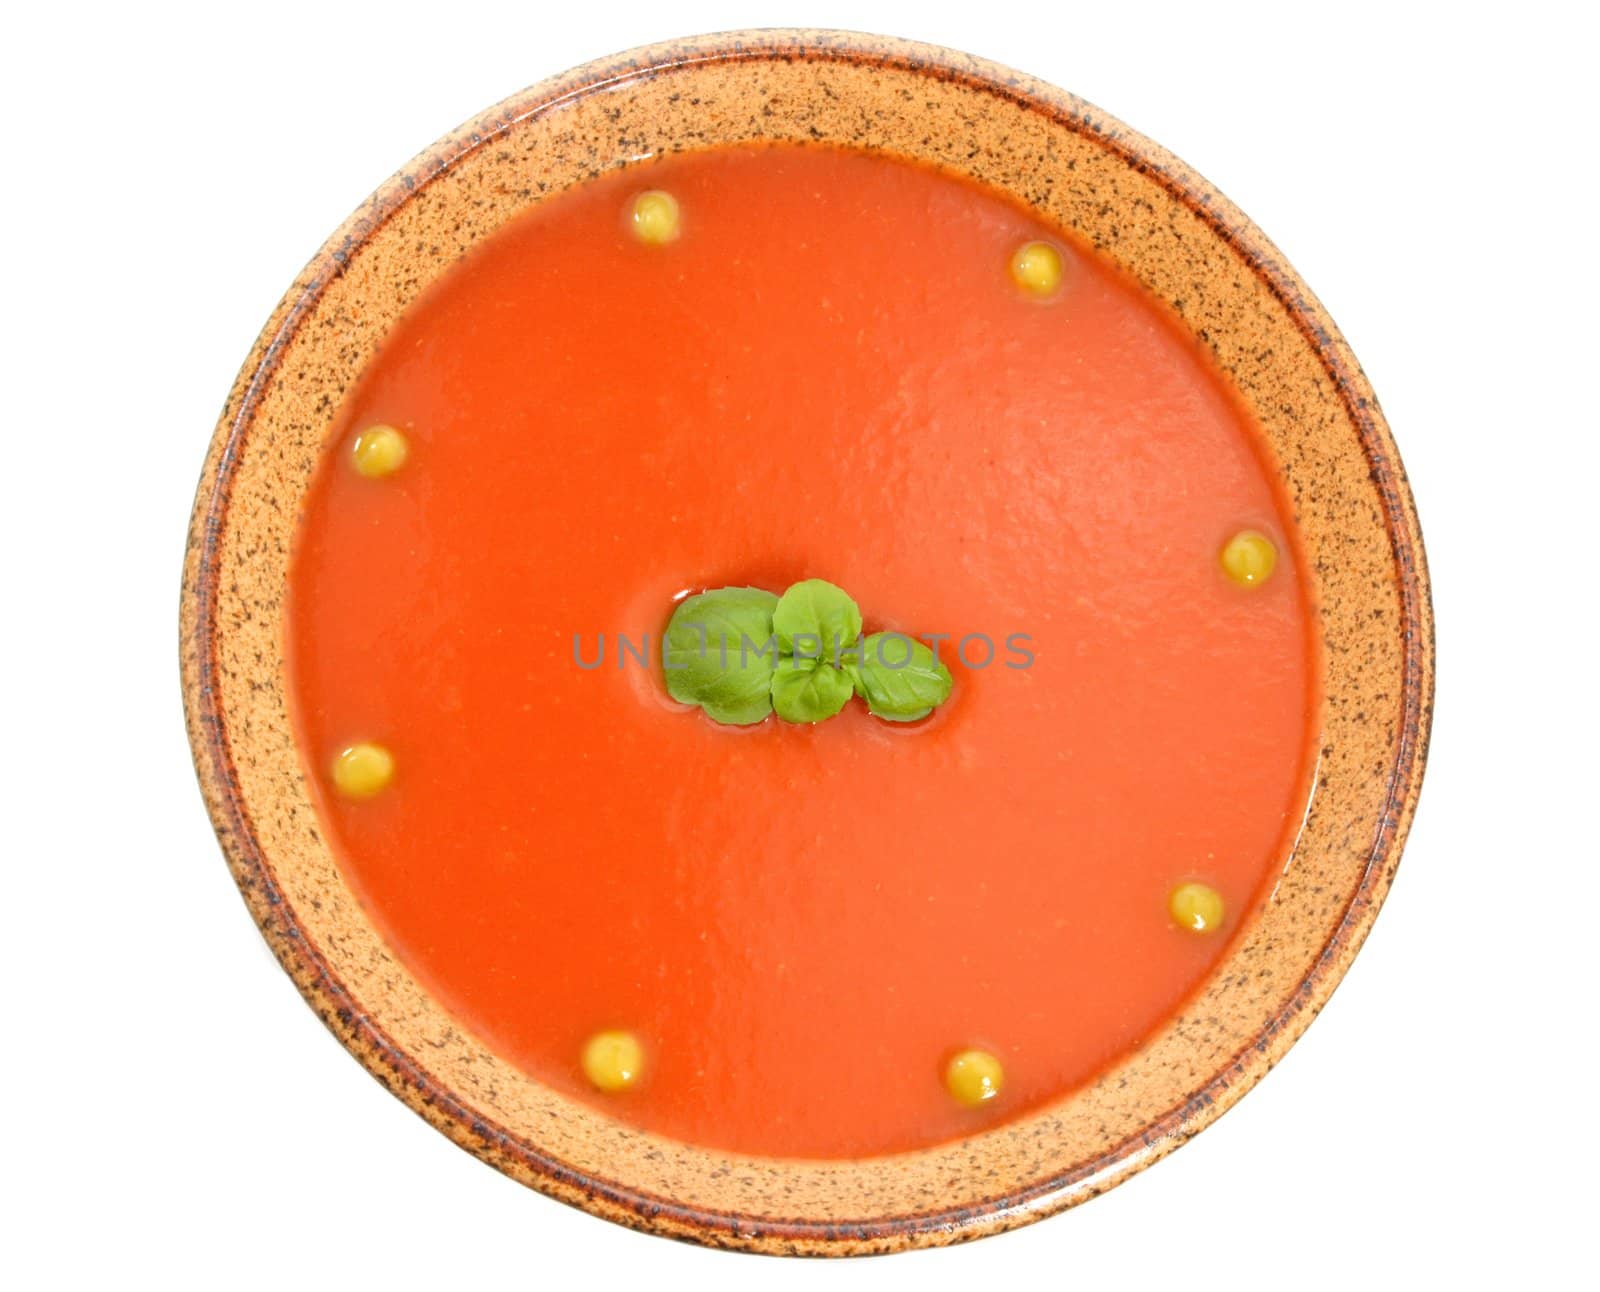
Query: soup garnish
point(974, 1077)
point(1197, 907)
point(379, 451)
point(655, 217)
point(741, 653)
point(613, 1060)
point(1249, 558)
point(1036, 268)
point(362, 770)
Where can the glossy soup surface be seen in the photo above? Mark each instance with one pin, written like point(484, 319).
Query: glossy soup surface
point(831, 374)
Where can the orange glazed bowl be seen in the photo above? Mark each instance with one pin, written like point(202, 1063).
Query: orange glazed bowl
point(1111, 192)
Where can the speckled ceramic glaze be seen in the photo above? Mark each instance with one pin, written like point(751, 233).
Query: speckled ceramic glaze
point(1075, 167)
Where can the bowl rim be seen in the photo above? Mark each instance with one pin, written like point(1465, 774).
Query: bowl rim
point(396, 1069)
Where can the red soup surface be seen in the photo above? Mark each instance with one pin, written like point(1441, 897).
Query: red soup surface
point(829, 373)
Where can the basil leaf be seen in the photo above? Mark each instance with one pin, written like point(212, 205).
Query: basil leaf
point(719, 652)
point(804, 690)
point(816, 619)
point(899, 678)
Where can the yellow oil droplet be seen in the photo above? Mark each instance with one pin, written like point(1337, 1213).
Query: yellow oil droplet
point(613, 1060)
point(1036, 268)
point(362, 770)
point(1249, 558)
point(655, 217)
point(1197, 907)
point(974, 1077)
point(380, 451)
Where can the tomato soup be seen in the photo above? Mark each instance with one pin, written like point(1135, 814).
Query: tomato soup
point(746, 368)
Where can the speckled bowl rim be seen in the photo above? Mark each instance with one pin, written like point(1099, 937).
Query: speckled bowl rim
point(1017, 1198)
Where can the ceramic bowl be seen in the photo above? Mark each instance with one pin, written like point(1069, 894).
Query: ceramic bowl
point(1076, 167)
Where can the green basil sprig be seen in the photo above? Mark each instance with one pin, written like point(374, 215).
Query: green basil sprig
point(742, 653)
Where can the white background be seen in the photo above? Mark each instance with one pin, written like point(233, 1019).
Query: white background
point(175, 1117)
